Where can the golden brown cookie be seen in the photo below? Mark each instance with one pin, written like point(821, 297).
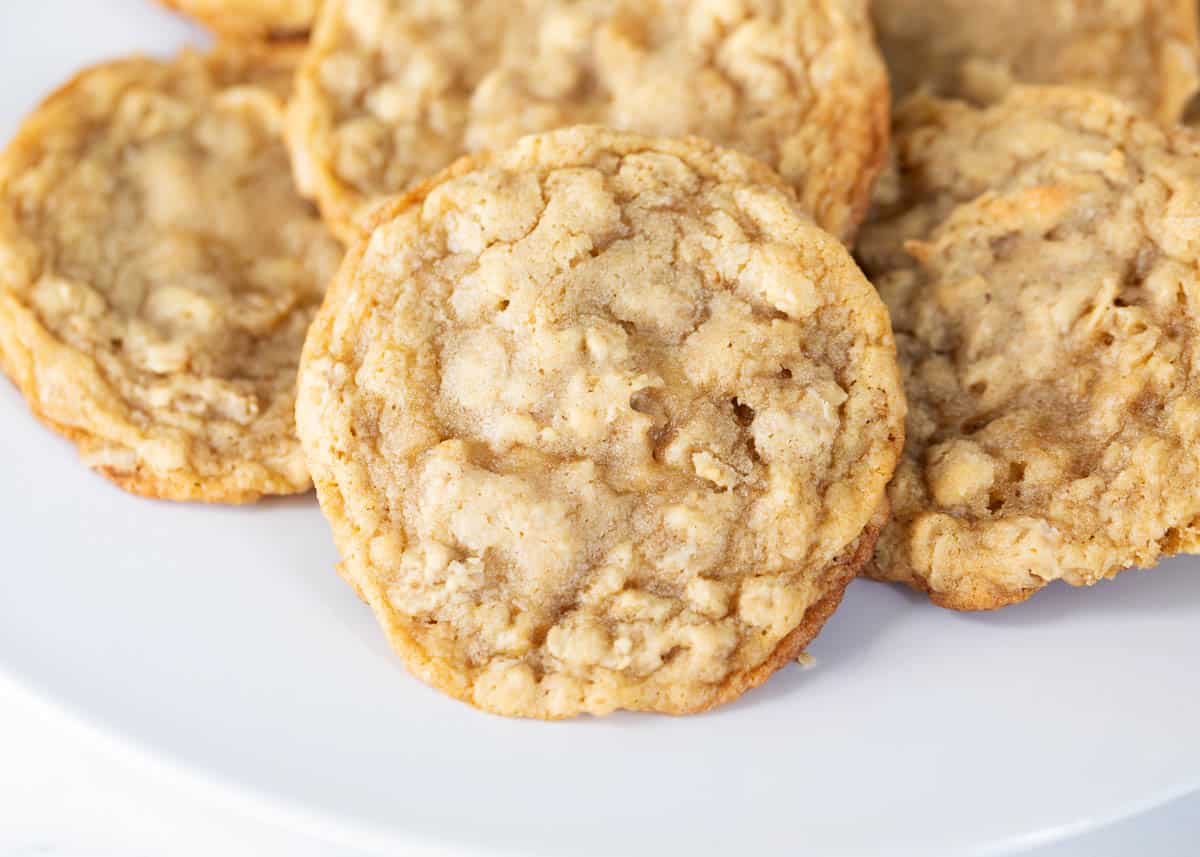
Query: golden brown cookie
point(600, 421)
point(394, 90)
point(1145, 51)
point(1040, 261)
point(252, 19)
point(158, 271)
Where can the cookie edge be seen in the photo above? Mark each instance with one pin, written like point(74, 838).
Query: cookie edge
point(238, 28)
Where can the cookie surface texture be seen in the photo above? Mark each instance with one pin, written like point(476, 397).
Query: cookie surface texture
point(1145, 51)
point(600, 421)
point(393, 90)
point(252, 19)
point(158, 271)
point(1040, 264)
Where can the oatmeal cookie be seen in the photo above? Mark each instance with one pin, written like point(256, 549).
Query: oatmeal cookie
point(599, 421)
point(1041, 263)
point(252, 19)
point(158, 271)
point(1142, 50)
point(393, 90)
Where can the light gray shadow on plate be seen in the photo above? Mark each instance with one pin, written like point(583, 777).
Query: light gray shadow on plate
point(1166, 589)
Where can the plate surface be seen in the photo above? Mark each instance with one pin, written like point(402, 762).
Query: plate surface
point(219, 643)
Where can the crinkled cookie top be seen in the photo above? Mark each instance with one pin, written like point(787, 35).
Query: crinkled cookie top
point(593, 418)
point(252, 19)
point(158, 271)
point(393, 90)
point(1145, 51)
point(1040, 264)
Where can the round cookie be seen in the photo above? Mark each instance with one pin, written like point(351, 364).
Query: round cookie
point(158, 271)
point(252, 19)
point(393, 90)
point(1040, 261)
point(1145, 51)
point(600, 421)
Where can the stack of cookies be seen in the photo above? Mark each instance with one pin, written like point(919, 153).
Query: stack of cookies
point(555, 304)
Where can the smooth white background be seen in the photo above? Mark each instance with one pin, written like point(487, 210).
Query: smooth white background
point(68, 792)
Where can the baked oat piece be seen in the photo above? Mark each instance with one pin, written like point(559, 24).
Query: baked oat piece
point(1040, 263)
point(158, 271)
point(252, 19)
point(393, 90)
point(1146, 51)
point(599, 421)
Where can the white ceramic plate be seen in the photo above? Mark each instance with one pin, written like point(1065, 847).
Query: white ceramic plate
point(220, 643)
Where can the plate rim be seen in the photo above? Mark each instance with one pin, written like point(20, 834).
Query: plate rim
point(228, 793)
